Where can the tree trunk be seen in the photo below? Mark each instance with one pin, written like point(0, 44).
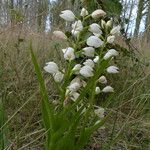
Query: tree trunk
point(130, 14)
point(147, 25)
point(139, 17)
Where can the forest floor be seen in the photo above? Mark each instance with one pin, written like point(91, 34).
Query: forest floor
point(127, 129)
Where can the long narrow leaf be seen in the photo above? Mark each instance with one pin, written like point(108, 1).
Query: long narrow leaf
point(47, 112)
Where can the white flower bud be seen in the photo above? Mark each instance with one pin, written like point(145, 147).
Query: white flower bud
point(89, 62)
point(69, 54)
point(86, 71)
point(67, 15)
point(100, 112)
point(74, 87)
point(60, 35)
point(112, 69)
point(98, 13)
point(97, 90)
point(84, 12)
point(89, 51)
point(94, 41)
point(111, 53)
point(110, 39)
point(102, 80)
point(58, 77)
point(76, 69)
point(75, 33)
point(51, 67)
point(108, 89)
point(77, 26)
point(95, 29)
point(96, 59)
point(103, 24)
point(76, 80)
point(63, 50)
point(109, 23)
point(115, 30)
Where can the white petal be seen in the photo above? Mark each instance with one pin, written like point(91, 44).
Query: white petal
point(111, 53)
point(97, 90)
point(108, 89)
point(89, 51)
point(98, 13)
point(77, 26)
point(115, 30)
point(94, 41)
point(84, 12)
point(110, 39)
point(89, 62)
point(95, 28)
point(69, 54)
point(51, 67)
point(58, 77)
point(76, 69)
point(67, 15)
point(86, 71)
point(96, 59)
point(102, 80)
point(74, 87)
point(112, 69)
point(109, 23)
point(75, 33)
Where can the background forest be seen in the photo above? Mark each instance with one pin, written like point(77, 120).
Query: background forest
point(20, 116)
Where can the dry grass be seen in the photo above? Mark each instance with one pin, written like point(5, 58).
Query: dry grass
point(20, 95)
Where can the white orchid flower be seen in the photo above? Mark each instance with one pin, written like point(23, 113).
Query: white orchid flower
point(113, 69)
point(89, 51)
point(98, 13)
point(67, 15)
point(76, 69)
point(89, 62)
point(111, 53)
point(95, 29)
point(115, 30)
point(58, 77)
point(51, 68)
point(102, 80)
point(86, 71)
point(77, 26)
point(84, 12)
point(108, 89)
point(94, 41)
point(111, 39)
point(97, 90)
point(69, 54)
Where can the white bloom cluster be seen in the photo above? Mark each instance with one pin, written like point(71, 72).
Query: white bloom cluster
point(86, 57)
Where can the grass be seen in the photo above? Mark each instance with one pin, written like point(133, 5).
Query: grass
point(127, 129)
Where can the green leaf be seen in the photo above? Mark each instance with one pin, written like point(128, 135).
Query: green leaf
point(47, 113)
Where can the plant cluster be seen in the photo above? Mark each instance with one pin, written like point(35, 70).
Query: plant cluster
point(73, 117)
